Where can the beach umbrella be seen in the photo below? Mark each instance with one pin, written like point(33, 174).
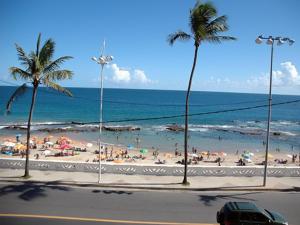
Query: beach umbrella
point(130, 147)
point(193, 155)
point(19, 146)
point(18, 135)
point(270, 156)
point(289, 156)
point(168, 155)
point(118, 161)
point(49, 143)
point(89, 145)
point(65, 146)
point(9, 144)
point(143, 150)
point(222, 154)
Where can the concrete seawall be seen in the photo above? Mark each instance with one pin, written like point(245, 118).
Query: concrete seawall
point(157, 170)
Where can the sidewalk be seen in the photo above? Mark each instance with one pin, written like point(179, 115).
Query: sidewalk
point(154, 182)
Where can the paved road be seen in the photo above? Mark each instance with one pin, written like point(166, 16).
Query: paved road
point(118, 206)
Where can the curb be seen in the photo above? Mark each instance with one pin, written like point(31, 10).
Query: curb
point(131, 187)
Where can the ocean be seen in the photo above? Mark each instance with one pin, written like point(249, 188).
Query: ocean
point(221, 121)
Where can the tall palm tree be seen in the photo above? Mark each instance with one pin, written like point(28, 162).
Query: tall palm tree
point(39, 69)
point(205, 27)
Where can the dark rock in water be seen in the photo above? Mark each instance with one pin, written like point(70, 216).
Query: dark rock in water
point(276, 133)
point(121, 128)
point(15, 127)
point(175, 128)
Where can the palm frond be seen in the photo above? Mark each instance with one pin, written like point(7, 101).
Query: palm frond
point(57, 75)
point(179, 35)
point(25, 60)
point(52, 66)
point(200, 15)
point(47, 52)
point(20, 91)
point(17, 72)
point(219, 24)
point(219, 39)
point(38, 45)
point(58, 88)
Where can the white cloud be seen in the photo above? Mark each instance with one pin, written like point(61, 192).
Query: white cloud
point(127, 76)
point(140, 77)
point(286, 77)
point(120, 75)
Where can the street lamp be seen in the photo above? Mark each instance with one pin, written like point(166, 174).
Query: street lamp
point(102, 60)
point(270, 41)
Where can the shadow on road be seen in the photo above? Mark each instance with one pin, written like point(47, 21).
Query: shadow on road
point(31, 190)
point(112, 192)
point(208, 199)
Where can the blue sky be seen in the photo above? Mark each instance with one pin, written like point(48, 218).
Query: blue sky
point(136, 33)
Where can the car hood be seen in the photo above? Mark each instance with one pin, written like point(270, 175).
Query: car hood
point(278, 218)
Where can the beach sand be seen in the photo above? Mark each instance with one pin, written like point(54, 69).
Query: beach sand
point(135, 156)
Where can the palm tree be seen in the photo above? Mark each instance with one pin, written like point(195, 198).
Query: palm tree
point(205, 27)
point(39, 69)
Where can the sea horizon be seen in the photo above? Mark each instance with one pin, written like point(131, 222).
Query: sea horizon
point(151, 89)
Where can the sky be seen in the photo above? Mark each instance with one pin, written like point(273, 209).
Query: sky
point(136, 34)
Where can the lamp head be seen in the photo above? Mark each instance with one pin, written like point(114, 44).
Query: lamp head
point(270, 40)
point(280, 41)
point(291, 41)
point(95, 59)
point(258, 40)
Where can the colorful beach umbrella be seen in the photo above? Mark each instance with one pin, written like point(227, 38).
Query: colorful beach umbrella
point(65, 146)
point(143, 150)
point(9, 144)
point(89, 145)
point(130, 147)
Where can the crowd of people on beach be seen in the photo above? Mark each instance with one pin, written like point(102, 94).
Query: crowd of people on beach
point(63, 146)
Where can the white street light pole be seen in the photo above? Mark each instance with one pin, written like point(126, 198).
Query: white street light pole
point(270, 41)
point(102, 60)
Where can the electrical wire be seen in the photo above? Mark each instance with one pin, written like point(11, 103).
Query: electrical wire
point(173, 116)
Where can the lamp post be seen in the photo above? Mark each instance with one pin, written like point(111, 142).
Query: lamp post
point(102, 60)
point(270, 41)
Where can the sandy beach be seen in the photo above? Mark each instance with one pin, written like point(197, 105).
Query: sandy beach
point(61, 147)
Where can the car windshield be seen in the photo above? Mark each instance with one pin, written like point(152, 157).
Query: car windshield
point(270, 214)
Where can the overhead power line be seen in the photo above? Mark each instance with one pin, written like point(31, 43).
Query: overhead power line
point(173, 116)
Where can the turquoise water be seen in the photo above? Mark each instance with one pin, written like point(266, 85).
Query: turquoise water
point(226, 131)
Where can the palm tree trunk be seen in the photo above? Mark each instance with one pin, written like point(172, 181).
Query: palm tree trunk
point(186, 117)
point(26, 175)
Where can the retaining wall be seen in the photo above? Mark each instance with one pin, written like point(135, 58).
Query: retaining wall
point(158, 170)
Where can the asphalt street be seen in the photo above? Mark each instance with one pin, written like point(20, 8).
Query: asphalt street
point(49, 203)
